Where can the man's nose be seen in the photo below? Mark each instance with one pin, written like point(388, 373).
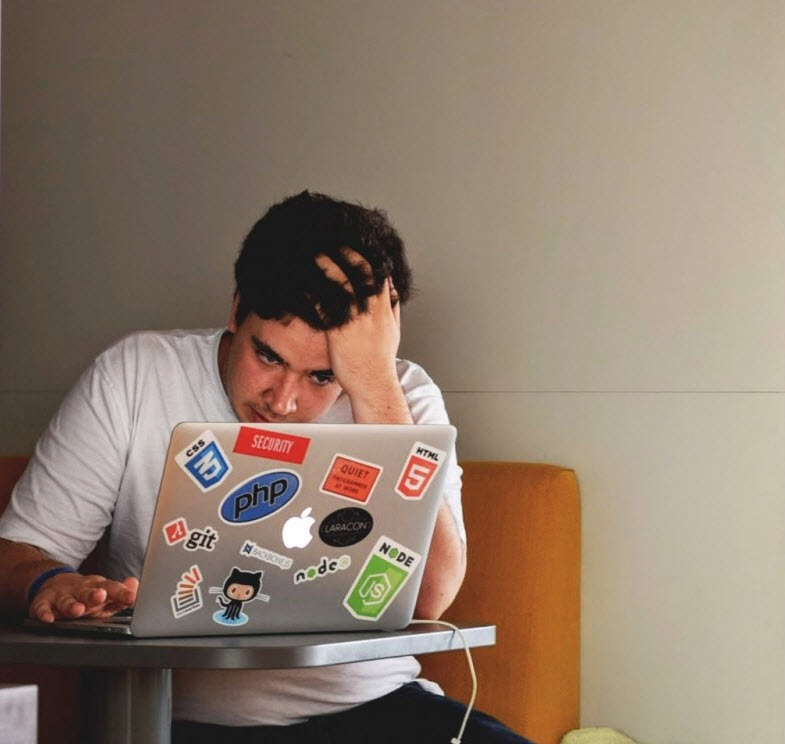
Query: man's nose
point(281, 396)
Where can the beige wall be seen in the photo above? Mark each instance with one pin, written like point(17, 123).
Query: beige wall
point(592, 193)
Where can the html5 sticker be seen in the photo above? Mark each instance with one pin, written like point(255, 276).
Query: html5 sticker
point(420, 467)
point(204, 461)
point(351, 479)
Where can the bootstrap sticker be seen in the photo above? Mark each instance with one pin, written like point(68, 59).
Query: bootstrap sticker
point(351, 479)
point(204, 461)
point(386, 570)
point(420, 467)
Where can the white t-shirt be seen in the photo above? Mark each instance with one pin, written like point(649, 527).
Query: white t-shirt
point(98, 466)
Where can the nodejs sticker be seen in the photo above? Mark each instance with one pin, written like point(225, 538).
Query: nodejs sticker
point(204, 461)
point(418, 472)
point(351, 479)
point(188, 597)
point(273, 445)
point(345, 527)
point(259, 497)
point(387, 568)
point(239, 588)
point(325, 567)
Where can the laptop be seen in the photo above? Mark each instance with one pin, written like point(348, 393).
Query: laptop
point(285, 528)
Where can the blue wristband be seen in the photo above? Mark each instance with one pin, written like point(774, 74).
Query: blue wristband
point(41, 578)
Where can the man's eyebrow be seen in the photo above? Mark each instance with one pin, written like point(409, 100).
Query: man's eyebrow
point(260, 347)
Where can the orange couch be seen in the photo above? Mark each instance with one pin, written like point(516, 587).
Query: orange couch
point(523, 522)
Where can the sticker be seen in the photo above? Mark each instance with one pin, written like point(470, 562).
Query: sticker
point(273, 445)
point(351, 478)
point(259, 497)
point(386, 570)
point(204, 461)
point(175, 531)
point(203, 539)
point(326, 566)
point(263, 554)
point(419, 470)
point(345, 527)
point(296, 531)
point(188, 597)
point(239, 588)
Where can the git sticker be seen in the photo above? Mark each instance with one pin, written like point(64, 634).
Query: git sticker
point(420, 467)
point(351, 479)
point(204, 461)
point(386, 570)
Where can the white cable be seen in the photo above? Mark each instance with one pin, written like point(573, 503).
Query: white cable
point(457, 739)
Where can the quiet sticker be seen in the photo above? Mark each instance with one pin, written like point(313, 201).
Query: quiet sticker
point(420, 467)
point(273, 445)
point(351, 479)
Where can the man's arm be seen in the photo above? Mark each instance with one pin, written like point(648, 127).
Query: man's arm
point(363, 357)
point(64, 595)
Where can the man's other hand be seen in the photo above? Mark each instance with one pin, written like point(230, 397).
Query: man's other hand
point(71, 595)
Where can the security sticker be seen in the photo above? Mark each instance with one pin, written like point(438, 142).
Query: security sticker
point(204, 461)
point(345, 527)
point(264, 554)
point(386, 570)
point(417, 473)
point(188, 597)
point(325, 567)
point(239, 588)
point(351, 478)
point(273, 445)
point(175, 531)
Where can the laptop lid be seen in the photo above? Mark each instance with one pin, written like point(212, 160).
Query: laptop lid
point(270, 528)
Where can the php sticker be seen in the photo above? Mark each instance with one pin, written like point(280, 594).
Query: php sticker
point(386, 570)
point(345, 527)
point(418, 472)
point(259, 497)
point(188, 597)
point(351, 479)
point(204, 461)
point(273, 445)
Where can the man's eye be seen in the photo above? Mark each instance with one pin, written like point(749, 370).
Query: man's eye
point(266, 357)
point(321, 378)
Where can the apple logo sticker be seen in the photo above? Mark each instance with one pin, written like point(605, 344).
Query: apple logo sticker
point(297, 530)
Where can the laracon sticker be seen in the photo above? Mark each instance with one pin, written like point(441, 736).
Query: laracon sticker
point(204, 461)
point(259, 497)
point(326, 566)
point(263, 554)
point(420, 467)
point(239, 587)
point(273, 445)
point(188, 597)
point(351, 479)
point(386, 570)
point(345, 527)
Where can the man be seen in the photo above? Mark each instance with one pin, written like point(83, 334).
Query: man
point(313, 334)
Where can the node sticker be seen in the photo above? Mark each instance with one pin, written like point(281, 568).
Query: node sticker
point(326, 566)
point(351, 479)
point(204, 461)
point(418, 472)
point(386, 570)
point(273, 445)
point(188, 597)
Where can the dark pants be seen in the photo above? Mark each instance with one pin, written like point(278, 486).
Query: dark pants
point(410, 715)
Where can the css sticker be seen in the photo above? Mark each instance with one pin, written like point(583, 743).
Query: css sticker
point(259, 497)
point(326, 566)
point(274, 445)
point(420, 467)
point(386, 570)
point(204, 461)
point(188, 597)
point(351, 479)
point(345, 527)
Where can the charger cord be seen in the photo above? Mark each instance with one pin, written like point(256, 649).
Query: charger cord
point(457, 739)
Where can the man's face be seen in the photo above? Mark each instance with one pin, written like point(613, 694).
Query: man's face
point(276, 371)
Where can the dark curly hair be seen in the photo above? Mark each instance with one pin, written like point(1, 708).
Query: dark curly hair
point(276, 274)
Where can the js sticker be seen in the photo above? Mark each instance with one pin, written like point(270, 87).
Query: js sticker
point(204, 461)
point(386, 570)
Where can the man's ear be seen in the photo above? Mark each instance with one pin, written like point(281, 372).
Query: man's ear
point(232, 326)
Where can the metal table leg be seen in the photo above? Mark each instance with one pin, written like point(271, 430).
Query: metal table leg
point(126, 706)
